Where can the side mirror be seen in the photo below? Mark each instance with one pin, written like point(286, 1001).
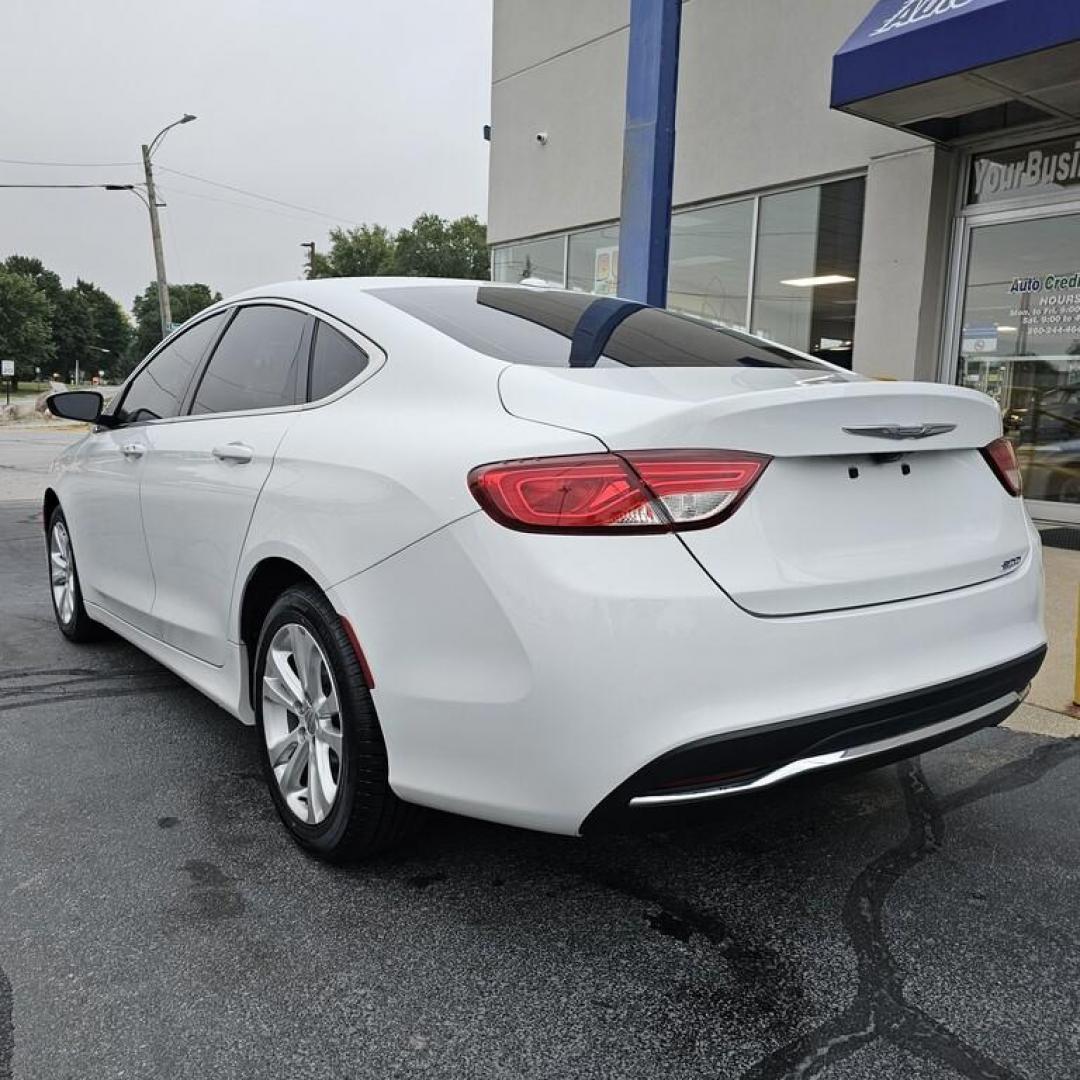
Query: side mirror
point(84, 405)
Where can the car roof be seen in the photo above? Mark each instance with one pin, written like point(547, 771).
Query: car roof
point(319, 288)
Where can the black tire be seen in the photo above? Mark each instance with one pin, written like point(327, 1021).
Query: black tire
point(77, 626)
point(366, 817)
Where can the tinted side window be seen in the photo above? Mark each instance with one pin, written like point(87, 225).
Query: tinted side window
point(158, 390)
point(258, 362)
point(334, 362)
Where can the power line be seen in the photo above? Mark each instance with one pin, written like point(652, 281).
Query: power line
point(256, 195)
point(229, 202)
point(70, 164)
point(164, 168)
point(101, 187)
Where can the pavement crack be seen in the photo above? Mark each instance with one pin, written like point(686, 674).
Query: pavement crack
point(880, 1009)
point(763, 975)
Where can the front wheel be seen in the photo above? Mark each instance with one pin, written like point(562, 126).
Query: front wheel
point(67, 601)
point(324, 754)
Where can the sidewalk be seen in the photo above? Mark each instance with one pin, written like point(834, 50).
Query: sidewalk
point(1049, 709)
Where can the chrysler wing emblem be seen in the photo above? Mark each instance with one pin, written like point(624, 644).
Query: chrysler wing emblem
point(901, 431)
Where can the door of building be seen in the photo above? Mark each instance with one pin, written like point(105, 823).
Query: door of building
point(1016, 337)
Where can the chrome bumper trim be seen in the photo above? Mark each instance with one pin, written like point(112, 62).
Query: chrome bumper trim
point(835, 757)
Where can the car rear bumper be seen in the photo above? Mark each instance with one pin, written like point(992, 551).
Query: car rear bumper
point(743, 762)
point(524, 678)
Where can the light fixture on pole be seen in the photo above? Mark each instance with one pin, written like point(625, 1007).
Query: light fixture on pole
point(96, 348)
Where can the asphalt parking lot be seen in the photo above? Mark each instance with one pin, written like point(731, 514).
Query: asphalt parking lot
point(918, 921)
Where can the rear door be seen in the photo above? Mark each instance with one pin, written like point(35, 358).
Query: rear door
point(203, 474)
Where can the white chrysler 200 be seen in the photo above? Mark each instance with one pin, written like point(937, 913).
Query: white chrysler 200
point(540, 557)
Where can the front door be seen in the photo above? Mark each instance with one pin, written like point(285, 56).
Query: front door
point(102, 510)
point(104, 504)
point(1019, 342)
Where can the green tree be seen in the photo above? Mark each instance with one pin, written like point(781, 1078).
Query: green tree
point(430, 247)
point(434, 247)
point(73, 334)
point(366, 251)
point(185, 300)
point(25, 325)
point(46, 280)
point(112, 330)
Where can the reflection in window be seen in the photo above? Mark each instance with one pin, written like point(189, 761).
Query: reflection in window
point(1020, 343)
point(536, 260)
point(256, 363)
point(805, 275)
point(157, 392)
point(538, 327)
point(709, 270)
point(807, 268)
point(594, 261)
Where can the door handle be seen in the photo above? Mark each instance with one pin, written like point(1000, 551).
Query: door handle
point(236, 452)
point(133, 450)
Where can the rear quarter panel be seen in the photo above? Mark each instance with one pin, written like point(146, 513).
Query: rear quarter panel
point(364, 476)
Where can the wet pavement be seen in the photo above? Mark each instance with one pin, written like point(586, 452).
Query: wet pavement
point(917, 921)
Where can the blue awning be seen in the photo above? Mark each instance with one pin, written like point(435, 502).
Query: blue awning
point(917, 62)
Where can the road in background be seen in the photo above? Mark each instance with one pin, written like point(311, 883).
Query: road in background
point(26, 452)
point(917, 921)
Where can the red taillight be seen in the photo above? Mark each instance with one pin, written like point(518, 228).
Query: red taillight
point(1001, 457)
point(643, 491)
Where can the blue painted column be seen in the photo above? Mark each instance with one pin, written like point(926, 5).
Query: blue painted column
point(649, 150)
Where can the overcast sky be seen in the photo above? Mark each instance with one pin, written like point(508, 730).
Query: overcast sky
point(364, 110)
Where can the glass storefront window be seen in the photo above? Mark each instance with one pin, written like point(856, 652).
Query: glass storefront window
point(805, 273)
point(535, 260)
point(1020, 343)
point(805, 280)
point(709, 272)
point(593, 261)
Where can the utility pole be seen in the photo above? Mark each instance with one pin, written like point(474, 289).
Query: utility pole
point(148, 149)
point(159, 254)
point(310, 245)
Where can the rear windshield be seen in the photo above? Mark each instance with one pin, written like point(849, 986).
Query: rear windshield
point(551, 328)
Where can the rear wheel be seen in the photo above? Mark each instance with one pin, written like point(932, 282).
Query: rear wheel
point(64, 589)
point(324, 755)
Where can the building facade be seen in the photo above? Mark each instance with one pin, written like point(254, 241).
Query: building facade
point(917, 231)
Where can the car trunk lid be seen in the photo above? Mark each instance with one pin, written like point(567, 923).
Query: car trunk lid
point(876, 492)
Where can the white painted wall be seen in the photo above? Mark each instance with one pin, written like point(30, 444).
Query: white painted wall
point(753, 105)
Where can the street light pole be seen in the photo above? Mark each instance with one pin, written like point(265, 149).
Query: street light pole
point(164, 307)
point(96, 348)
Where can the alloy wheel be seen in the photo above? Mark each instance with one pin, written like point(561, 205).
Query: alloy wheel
point(302, 723)
point(62, 573)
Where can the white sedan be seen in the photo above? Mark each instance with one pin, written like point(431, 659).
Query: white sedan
point(549, 559)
